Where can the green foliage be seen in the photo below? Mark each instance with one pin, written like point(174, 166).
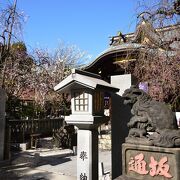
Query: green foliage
point(19, 47)
point(18, 109)
point(13, 107)
point(65, 137)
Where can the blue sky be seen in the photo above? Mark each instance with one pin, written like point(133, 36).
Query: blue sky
point(85, 23)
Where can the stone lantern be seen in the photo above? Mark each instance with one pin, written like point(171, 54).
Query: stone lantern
point(87, 105)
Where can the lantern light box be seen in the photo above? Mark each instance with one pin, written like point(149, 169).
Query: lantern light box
point(87, 96)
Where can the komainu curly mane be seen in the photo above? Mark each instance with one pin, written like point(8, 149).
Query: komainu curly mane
point(153, 123)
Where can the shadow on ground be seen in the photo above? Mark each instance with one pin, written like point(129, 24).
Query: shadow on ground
point(24, 165)
point(39, 158)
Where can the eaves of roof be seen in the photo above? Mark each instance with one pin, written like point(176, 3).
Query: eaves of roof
point(116, 49)
point(81, 79)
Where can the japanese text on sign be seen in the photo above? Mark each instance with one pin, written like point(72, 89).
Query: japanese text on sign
point(83, 155)
point(83, 176)
point(139, 165)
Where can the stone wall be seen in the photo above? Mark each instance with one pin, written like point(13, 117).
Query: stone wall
point(105, 142)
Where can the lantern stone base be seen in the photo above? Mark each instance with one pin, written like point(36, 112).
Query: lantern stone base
point(86, 121)
point(150, 162)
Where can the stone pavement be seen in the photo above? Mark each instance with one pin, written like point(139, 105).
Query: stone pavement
point(46, 164)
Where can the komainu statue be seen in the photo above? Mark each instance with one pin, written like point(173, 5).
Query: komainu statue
point(152, 123)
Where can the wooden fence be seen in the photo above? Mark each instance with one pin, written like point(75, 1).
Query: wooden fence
point(22, 129)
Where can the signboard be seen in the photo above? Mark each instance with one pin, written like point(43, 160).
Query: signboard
point(150, 162)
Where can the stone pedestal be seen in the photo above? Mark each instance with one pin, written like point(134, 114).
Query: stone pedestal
point(150, 162)
point(2, 123)
point(87, 155)
point(87, 144)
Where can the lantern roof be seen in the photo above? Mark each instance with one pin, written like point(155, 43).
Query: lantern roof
point(80, 79)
